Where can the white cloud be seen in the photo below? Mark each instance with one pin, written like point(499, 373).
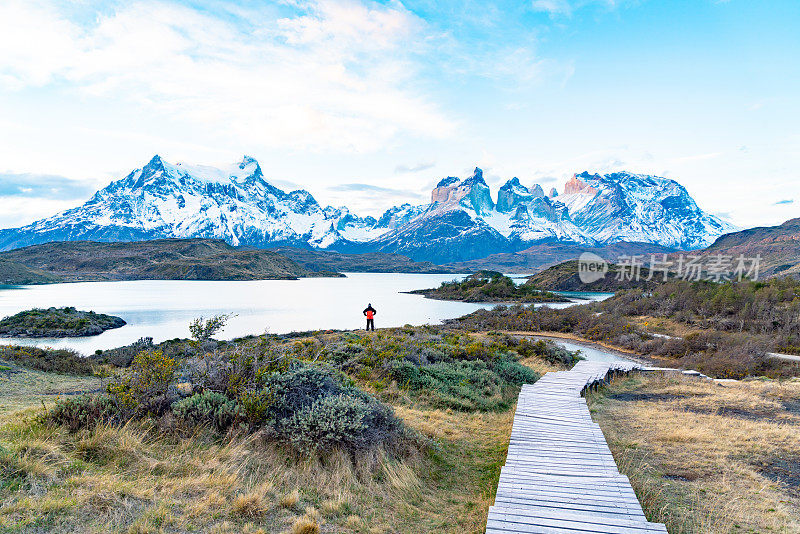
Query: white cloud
point(568, 7)
point(337, 75)
point(16, 211)
point(561, 7)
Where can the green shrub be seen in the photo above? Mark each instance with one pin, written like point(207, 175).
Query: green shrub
point(549, 351)
point(145, 388)
point(65, 361)
point(85, 411)
point(348, 420)
point(465, 385)
point(207, 408)
point(315, 409)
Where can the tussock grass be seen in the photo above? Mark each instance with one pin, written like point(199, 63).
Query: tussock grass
point(305, 525)
point(135, 478)
point(705, 457)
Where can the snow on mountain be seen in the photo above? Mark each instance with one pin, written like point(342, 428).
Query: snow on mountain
point(461, 222)
point(594, 210)
point(236, 204)
point(639, 207)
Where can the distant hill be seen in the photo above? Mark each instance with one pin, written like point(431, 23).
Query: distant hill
point(163, 259)
point(12, 273)
point(369, 262)
point(779, 247)
point(544, 255)
point(564, 277)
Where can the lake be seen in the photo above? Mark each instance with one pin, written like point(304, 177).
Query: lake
point(162, 309)
point(592, 353)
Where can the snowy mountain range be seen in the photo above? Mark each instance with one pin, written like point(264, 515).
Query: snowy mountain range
point(461, 222)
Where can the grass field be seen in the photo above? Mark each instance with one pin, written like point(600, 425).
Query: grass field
point(137, 479)
point(705, 457)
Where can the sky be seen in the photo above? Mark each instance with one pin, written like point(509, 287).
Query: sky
point(369, 104)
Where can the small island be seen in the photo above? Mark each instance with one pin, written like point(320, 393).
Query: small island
point(58, 322)
point(489, 286)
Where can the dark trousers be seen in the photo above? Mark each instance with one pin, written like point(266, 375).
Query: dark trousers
point(371, 324)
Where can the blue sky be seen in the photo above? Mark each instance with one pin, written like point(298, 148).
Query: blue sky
point(370, 103)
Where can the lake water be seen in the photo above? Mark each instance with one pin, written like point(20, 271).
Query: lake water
point(162, 309)
point(591, 353)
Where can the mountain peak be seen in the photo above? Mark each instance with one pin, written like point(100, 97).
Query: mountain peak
point(577, 185)
point(444, 182)
point(247, 160)
point(511, 195)
point(155, 163)
point(477, 177)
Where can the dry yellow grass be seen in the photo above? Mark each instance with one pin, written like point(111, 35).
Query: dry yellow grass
point(705, 457)
point(291, 499)
point(305, 525)
point(248, 505)
point(136, 479)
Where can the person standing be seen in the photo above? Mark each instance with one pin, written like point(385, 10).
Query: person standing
point(370, 312)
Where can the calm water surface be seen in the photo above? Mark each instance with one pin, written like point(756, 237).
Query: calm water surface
point(162, 309)
point(591, 353)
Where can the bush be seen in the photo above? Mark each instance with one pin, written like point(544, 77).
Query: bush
point(465, 385)
point(84, 411)
point(145, 389)
point(548, 350)
point(207, 408)
point(353, 421)
point(65, 361)
point(314, 409)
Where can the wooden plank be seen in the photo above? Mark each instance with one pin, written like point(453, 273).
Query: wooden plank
point(559, 475)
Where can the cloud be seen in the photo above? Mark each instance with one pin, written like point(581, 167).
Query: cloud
point(43, 186)
point(374, 190)
point(557, 7)
point(15, 212)
point(699, 157)
point(414, 168)
point(568, 7)
point(320, 75)
point(781, 202)
point(366, 199)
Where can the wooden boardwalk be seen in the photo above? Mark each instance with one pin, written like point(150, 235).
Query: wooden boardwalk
point(559, 474)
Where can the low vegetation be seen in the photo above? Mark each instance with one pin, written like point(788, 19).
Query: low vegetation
point(58, 322)
point(400, 430)
point(489, 286)
point(725, 330)
point(704, 457)
point(62, 361)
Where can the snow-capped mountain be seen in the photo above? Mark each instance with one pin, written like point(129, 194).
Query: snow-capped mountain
point(461, 222)
point(639, 207)
point(236, 204)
